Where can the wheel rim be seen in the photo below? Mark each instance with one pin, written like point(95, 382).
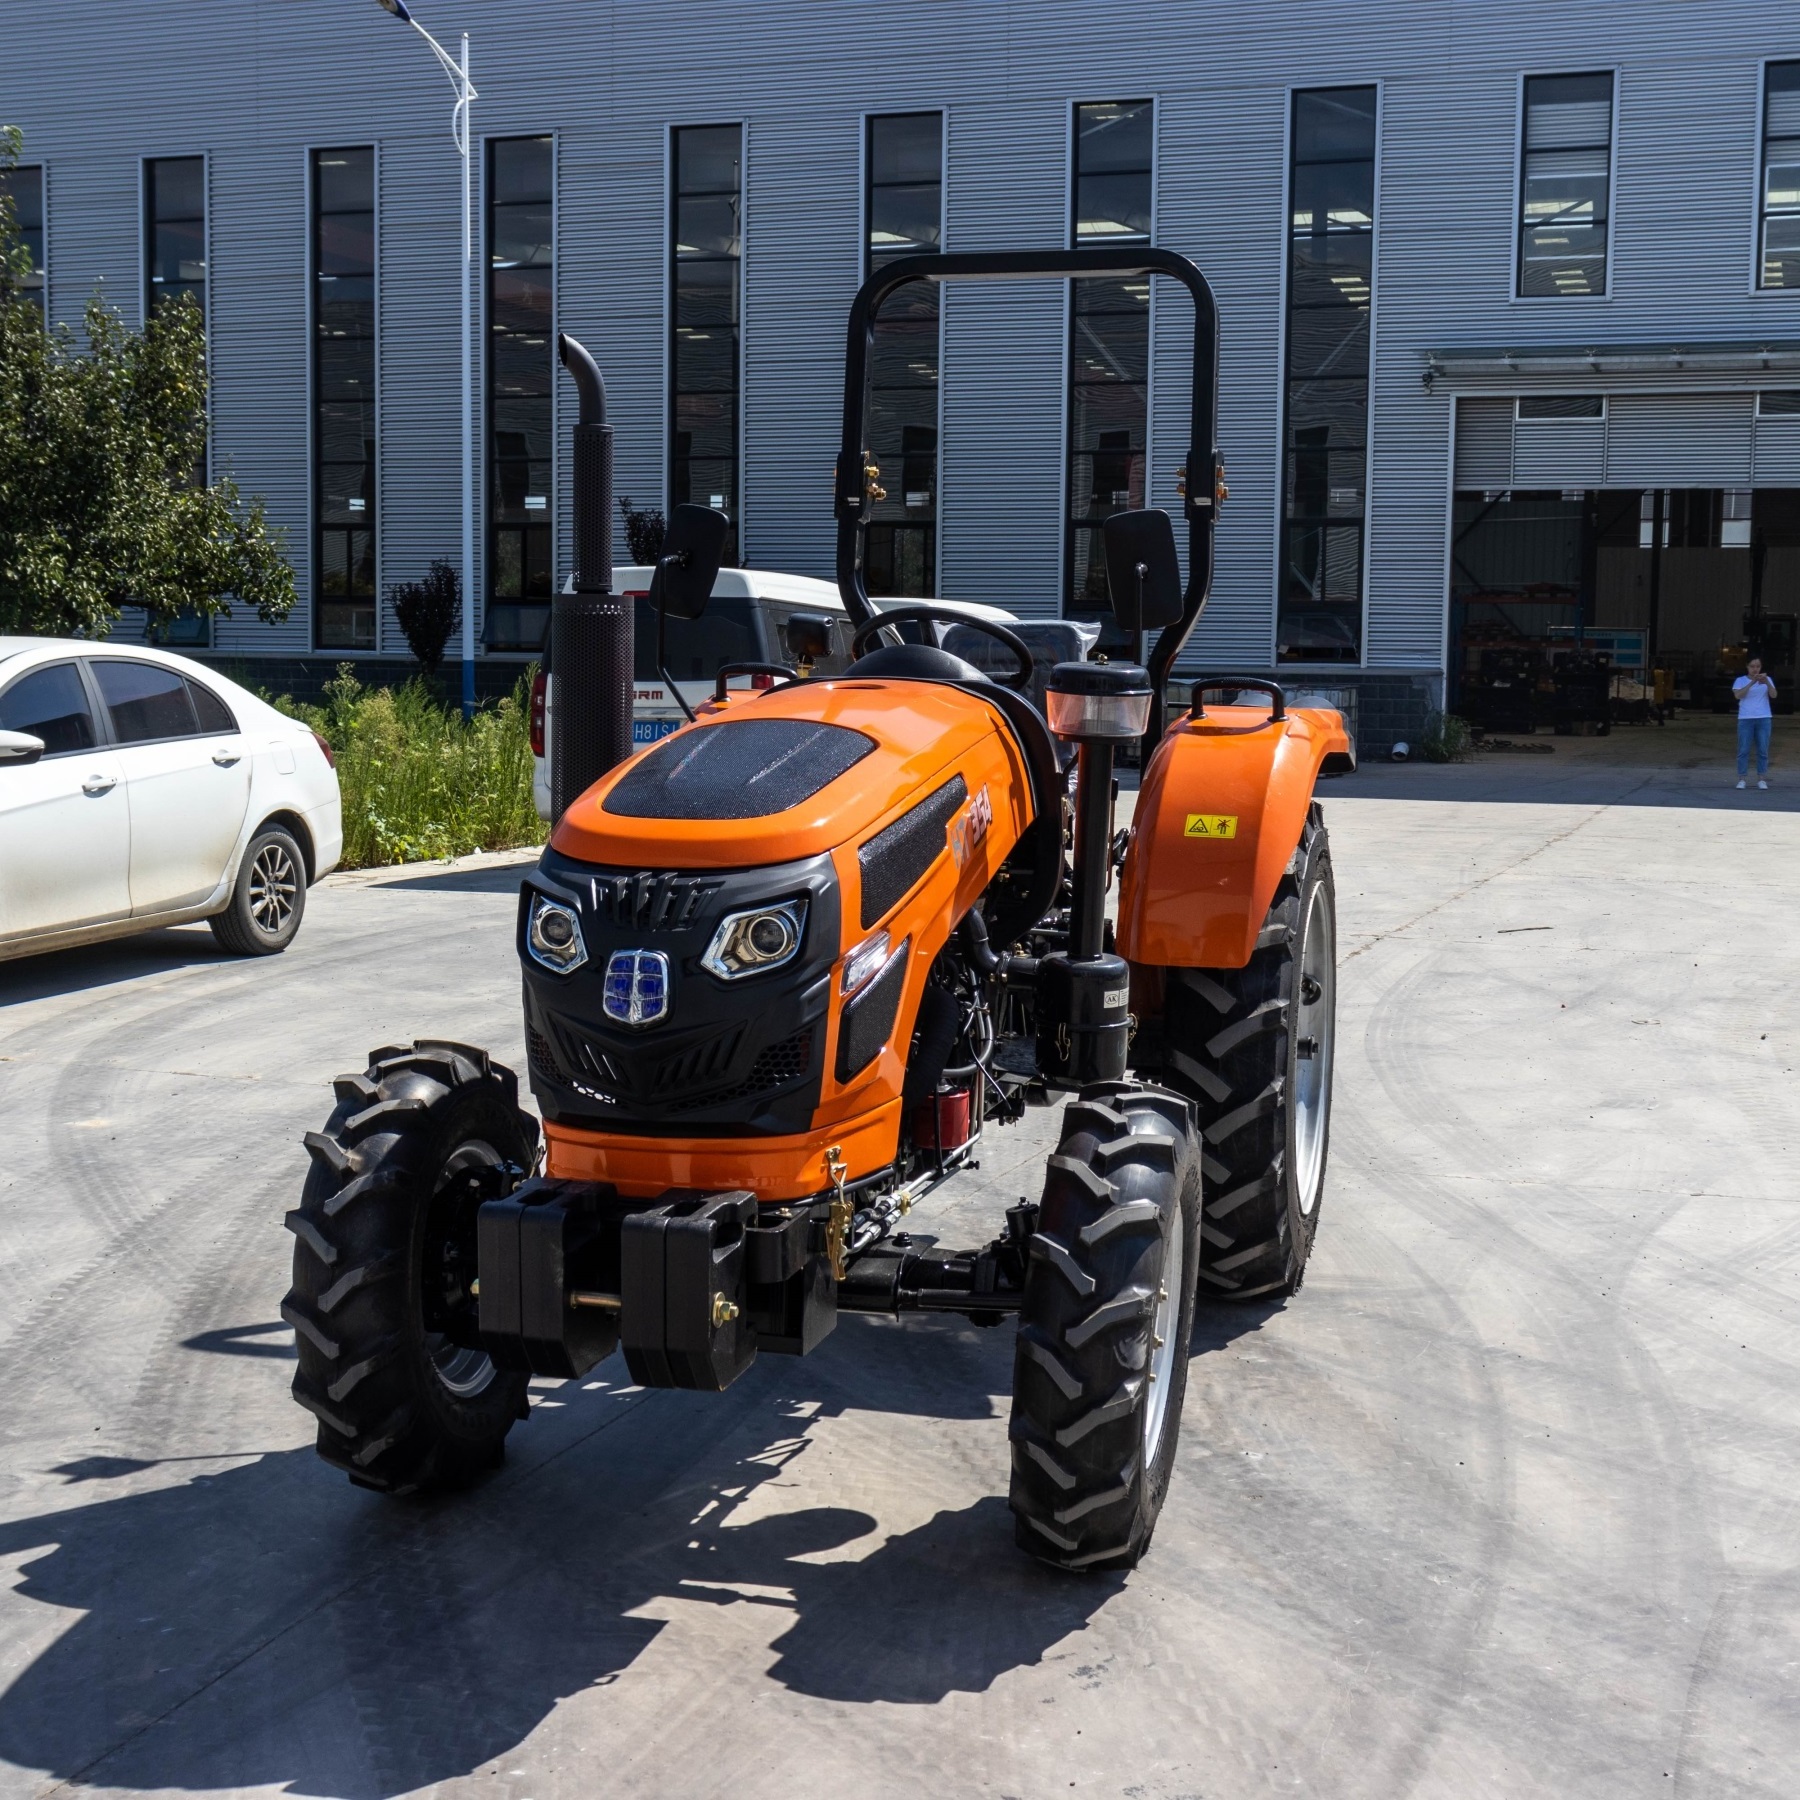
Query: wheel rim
point(1314, 1028)
point(274, 882)
point(1163, 1347)
point(463, 1372)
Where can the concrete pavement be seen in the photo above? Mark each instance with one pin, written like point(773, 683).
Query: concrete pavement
point(1501, 1504)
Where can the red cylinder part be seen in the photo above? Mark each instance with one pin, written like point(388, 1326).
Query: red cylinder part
point(942, 1123)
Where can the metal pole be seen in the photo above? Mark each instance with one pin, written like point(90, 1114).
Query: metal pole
point(466, 105)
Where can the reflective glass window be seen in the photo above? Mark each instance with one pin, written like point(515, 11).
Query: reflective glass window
point(1565, 185)
point(50, 704)
point(521, 370)
point(1780, 264)
point(904, 208)
point(1331, 282)
point(24, 188)
point(343, 387)
point(1113, 185)
point(144, 700)
point(706, 236)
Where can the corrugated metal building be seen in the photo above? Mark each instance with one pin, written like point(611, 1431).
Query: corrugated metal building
point(1507, 296)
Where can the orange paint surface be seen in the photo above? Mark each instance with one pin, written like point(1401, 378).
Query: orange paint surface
point(1199, 901)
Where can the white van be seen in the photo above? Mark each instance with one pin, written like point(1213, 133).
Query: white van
point(745, 621)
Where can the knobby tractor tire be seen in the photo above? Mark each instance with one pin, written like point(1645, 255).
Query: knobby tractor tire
point(1101, 1363)
point(1254, 1047)
point(385, 1236)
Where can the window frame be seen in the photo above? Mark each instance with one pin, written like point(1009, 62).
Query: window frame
point(1759, 209)
point(1282, 451)
point(1069, 526)
point(315, 571)
point(933, 527)
point(486, 397)
point(736, 552)
point(1614, 74)
point(92, 666)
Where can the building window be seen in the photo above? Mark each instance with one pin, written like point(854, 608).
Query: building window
point(24, 187)
point(707, 240)
point(1109, 340)
point(343, 264)
point(521, 370)
point(1565, 179)
point(1780, 267)
point(175, 231)
point(1561, 406)
point(1330, 290)
point(904, 208)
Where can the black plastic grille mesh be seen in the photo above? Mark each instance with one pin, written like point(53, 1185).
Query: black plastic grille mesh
point(894, 859)
point(740, 769)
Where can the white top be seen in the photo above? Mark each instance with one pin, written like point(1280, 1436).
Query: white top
point(1753, 698)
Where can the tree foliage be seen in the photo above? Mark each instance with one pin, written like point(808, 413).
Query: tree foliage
point(428, 612)
point(99, 508)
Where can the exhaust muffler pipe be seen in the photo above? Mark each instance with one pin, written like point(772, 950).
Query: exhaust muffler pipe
point(591, 649)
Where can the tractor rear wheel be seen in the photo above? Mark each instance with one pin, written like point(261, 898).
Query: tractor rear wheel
point(1101, 1362)
point(1254, 1048)
point(381, 1306)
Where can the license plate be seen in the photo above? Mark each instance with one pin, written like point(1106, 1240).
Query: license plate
point(647, 731)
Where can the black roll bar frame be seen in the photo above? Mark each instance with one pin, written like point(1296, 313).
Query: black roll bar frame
point(1203, 471)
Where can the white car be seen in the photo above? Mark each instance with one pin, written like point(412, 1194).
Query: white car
point(745, 621)
point(139, 789)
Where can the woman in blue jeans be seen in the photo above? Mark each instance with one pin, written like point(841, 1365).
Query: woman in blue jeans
point(1754, 691)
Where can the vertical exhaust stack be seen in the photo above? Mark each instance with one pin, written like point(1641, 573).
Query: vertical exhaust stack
point(591, 647)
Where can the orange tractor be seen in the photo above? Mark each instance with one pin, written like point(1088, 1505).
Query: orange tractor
point(785, 969)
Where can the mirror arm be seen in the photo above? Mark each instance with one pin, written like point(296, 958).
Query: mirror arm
point(680, 560)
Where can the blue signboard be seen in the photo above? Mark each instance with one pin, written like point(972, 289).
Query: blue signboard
point(647, 731)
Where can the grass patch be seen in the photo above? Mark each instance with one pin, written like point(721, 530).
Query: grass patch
point(1447, 738)
point(419, 781)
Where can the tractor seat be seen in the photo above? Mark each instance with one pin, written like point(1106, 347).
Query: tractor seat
point(914, 662)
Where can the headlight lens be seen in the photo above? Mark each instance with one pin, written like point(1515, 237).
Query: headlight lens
point(747, 943)
point(554, 936)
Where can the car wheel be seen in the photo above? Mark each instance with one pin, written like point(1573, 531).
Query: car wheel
point(269, 898)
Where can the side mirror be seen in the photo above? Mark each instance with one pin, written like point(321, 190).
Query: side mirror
point(18, 748)
point(693, 548)
point(808, 639)
point(1142, 570)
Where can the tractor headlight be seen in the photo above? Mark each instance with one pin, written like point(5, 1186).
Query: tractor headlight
point(554, 936)
point(747, 943)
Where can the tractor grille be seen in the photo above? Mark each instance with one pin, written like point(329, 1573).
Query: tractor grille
point(650, 902)
point(550, 1068)
point(696, 1066)
point(774, 1068)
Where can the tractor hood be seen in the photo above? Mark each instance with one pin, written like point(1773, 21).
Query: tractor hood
point(776, 776)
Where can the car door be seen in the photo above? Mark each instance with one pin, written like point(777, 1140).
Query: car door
point(187, 779)
point(65, 832)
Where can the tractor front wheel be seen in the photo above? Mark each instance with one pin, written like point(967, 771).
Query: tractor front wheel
point(383, 1301)
point(1101, 1361)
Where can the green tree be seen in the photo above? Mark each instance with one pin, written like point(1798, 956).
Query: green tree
point(98, 504)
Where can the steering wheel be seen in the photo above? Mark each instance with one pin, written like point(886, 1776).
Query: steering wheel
point(942, 616)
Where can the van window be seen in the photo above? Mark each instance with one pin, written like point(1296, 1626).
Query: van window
point(725, 632)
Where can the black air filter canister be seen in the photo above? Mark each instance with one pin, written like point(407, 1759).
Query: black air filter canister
point(591, 648)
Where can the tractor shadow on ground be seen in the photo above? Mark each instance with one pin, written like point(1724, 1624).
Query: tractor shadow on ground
point(268, 1625)
point(503, 879)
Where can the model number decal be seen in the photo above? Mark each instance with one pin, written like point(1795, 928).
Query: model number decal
point(1211, 825)
point(967, 833)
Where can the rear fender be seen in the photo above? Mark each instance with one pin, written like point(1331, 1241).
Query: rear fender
point(1219, 816)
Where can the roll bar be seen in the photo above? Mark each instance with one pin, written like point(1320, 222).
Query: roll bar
point(852, 497)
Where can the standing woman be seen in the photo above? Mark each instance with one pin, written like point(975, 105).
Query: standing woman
point(1754, 691)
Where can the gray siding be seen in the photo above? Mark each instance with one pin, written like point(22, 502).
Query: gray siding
point(98, 91)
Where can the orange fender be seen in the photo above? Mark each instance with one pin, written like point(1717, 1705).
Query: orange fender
point(1219, 814)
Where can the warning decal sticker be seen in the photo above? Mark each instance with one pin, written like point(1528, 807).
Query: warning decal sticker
point(1211, 825)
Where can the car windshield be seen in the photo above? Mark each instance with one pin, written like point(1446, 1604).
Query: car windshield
point(726, 632)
